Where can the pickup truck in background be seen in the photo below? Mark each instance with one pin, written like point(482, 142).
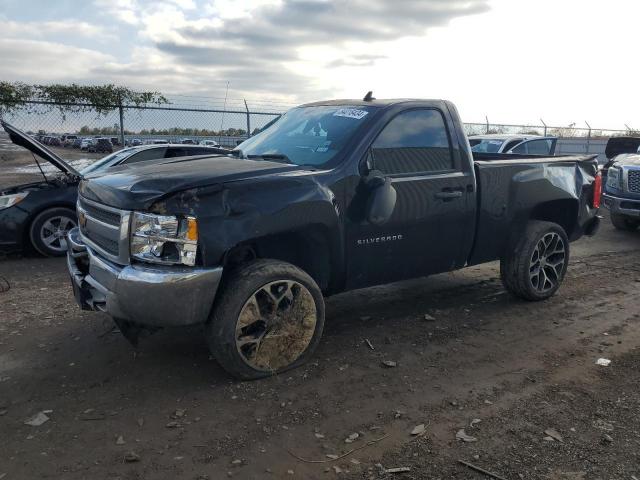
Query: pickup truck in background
point(517, 144)
point(622, 185)
point(334, 196)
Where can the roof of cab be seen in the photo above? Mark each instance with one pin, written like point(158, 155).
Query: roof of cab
point(374, 102)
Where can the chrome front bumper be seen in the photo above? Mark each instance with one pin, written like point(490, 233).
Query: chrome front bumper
point(156, 296)
point(621, 206)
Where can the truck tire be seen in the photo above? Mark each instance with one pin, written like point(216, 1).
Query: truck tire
point(268, 318)
point(536, 263)
point(49, 229)
point(622, 222)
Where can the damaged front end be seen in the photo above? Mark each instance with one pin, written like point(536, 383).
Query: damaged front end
point(138, 296)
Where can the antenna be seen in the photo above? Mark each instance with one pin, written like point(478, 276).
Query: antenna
point(368, 97)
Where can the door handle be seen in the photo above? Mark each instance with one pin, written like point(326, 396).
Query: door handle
point(449, 195)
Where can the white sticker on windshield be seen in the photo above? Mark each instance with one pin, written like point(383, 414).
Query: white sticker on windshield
point(351, 113)
point(495, 142)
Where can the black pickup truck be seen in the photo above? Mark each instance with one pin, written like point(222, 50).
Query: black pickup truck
point(334, 196)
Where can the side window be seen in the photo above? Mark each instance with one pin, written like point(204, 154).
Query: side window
point(413, 142)
point(173, 152)
point(511, 144)
point(201, 151)
point(148, 154)
point(534, 147)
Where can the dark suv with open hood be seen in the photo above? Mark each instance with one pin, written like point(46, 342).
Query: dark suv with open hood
point(40, 214)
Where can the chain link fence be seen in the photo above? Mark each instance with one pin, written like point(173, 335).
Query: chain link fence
point(229, 121)
point(180, 121)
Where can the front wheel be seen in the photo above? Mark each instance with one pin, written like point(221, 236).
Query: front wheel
point(622, 222)
point(48, 231)
point(268, 319)
point(536, 264)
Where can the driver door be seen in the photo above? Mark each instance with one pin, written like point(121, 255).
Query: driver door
point(433, 217)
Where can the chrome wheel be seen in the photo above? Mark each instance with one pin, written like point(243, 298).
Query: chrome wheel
point(547, 263)
point(53, 233)
point(276, 325)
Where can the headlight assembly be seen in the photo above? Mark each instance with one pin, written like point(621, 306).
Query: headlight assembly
point(614, 178)
point(164, 239)
point(7, 201)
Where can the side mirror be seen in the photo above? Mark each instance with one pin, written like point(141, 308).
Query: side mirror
point(382, 199)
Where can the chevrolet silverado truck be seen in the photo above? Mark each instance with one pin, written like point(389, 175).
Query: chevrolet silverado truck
point(622, 186)
point(334, 196)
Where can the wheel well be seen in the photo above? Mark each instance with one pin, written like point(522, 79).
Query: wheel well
point(561, 212)
point(307, 249)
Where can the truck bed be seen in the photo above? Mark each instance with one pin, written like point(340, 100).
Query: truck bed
point(509, 191)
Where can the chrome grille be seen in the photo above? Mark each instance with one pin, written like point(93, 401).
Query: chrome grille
point(633, 181)
point(110, 217)
point(105, 229)
point(105, 243)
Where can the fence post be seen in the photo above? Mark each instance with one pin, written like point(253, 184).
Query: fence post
point(248, 119)
point(121, 111)
point(487, 130)
point(588, 137)
point(545, 127)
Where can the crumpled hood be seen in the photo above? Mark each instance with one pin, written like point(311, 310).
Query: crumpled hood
point(137, 188)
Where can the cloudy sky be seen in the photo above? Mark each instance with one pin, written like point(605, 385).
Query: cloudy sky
point(566, 61)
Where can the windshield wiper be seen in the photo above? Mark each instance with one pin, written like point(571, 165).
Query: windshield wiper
point(272, 156)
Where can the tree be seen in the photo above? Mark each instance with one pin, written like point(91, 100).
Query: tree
point(72, 98)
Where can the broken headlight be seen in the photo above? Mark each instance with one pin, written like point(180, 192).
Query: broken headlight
point(165, 239)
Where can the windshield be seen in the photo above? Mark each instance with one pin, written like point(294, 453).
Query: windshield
point(107, 161)
point(485, 145)
point(308, 135)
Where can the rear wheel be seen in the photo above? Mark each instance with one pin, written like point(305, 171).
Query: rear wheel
point(622, 222)
point(48, 231)
point(537, 263)
point(268, 318)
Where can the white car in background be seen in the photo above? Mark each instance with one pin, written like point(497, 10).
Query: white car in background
point(210, 143)
point(516, 144)
point(86, 143)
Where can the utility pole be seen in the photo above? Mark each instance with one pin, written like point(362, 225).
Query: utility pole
point(121, 111)
point(248, 119)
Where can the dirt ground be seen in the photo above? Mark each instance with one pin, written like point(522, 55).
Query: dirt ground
point(521, 379)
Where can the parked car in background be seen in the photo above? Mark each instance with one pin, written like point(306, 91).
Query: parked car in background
point(622, 182)
point(40, 214)
point(69, 139)
point(617, 148)
point(515, 144)
point(335, 196)
point(188, 141)
point(76, 143)
point(101, 145)
point(55, 142)
point(210, 143)
point(135, 142)
point(158, 141)
point(115, 141)
point(85, 143)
